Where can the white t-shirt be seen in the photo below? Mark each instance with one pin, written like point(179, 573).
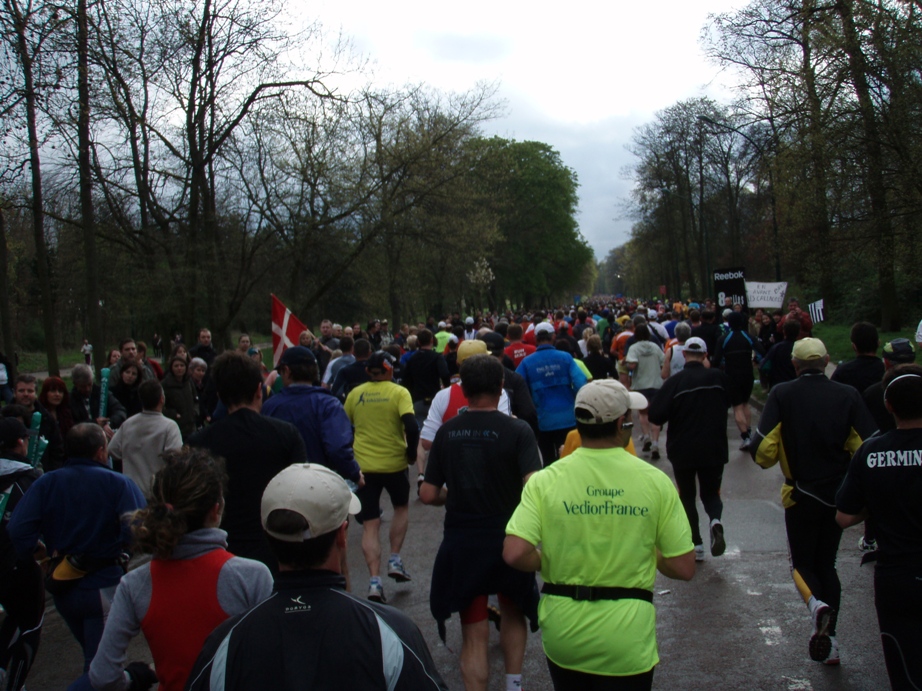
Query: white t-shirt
point(919, 334)
point(440, 405)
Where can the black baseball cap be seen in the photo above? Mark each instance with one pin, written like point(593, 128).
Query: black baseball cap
point(296, 355)
point(495, 342)
point(381, 360)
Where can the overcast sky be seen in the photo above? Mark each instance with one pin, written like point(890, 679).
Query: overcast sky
point(579, 76)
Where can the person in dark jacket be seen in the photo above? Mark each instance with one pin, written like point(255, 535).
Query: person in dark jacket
point(899, 351)
point(24, 394)
point(179, 393)
point(425, 375)
point(126, 388)
point(866, 368)
point(813, 426)
point(86, 401)
point(694, 402)
point(254, 447)
point(352, 375)
point(311, 632)
point(204, 348)
point(777, 367)
point(600, 367)
point(316, 412)
point(22, 592)
point(78, 512)
point(734, 353)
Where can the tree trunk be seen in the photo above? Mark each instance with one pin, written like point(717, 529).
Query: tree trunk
point(880, 212)
point(87, 212)
point(38, 213)
point(6, 321)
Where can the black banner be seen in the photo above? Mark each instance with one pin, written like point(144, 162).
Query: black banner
point(730, 283)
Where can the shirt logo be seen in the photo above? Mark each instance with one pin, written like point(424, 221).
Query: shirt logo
point(297, 606)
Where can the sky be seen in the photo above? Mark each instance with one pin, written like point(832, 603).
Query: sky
point(579, 76)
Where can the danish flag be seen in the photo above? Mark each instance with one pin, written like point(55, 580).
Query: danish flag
point(286, 329)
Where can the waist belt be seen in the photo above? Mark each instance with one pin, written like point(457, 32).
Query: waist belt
point(591, 593)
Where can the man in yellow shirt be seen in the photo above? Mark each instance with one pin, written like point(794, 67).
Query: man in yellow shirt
point(386, 435)
point(605, 521)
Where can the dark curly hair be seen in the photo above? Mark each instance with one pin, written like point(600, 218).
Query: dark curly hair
point(182, 494)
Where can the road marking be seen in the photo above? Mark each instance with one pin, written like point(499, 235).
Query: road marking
point(798, 684)
point(771, 632)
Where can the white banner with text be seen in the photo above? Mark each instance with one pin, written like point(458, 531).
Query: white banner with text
point(765, 294)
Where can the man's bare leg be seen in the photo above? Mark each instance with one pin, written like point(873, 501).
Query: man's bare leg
point(513, 636)
point(475, 665)
point(371, 547)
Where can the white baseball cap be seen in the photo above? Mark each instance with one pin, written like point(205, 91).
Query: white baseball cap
point(315, 492)
point(696, 345)
point(606, 400)
point(544, 328)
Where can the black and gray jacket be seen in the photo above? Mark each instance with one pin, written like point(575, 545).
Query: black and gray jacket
point(312, 634)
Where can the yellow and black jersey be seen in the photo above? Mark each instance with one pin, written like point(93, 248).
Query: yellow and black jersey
point(812, 426)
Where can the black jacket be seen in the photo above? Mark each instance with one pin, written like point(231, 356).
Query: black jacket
point(812, 426)
point(115, 411)
point(426, 373)
point(255, 448)
point(312, 634)
point(694, 402)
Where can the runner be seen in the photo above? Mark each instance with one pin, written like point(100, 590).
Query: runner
point(883, 483)
point(812, 426)
point(597, 618)
point(386, 435)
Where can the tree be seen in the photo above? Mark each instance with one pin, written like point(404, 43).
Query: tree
point(25, 32)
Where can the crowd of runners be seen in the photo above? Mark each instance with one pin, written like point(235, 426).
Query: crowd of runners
point(239, 482)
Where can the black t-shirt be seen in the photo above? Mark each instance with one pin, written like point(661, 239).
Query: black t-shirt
point(255, 449)
point(874, 399)
point(885, 476)
point(482, 458)
point(860, 373)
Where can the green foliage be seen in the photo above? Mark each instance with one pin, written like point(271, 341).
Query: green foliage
point(541, 255)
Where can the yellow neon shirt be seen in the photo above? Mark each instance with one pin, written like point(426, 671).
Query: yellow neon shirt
point(375, 409)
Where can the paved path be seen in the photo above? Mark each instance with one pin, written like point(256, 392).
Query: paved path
point(738, 625)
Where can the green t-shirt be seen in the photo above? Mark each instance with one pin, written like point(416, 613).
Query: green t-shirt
point(375, 409)
point(441, 340)
point(599, 516)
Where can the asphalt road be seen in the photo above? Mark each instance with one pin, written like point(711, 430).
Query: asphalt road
point(739, 624)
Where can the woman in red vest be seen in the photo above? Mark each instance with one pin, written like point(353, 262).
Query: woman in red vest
point(191, 584)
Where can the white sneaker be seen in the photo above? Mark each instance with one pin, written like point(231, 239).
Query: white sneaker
point(699, 552)
point(833, 658)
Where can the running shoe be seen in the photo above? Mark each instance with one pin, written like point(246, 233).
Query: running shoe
point(699, 552)
point(718, 544)
point(745, 444)
point(376, 592)
point(833, 658)
point(867, 545)
point(419, 483)
point(655, 455)
point(396, 571)
point(647, 443)
point(824, 621)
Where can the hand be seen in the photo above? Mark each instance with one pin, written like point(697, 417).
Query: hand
point(361, 482)
point(108, 432)
point(142, 676)
point(102, 421)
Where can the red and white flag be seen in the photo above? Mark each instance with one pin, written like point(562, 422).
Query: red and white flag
point(286, 329)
